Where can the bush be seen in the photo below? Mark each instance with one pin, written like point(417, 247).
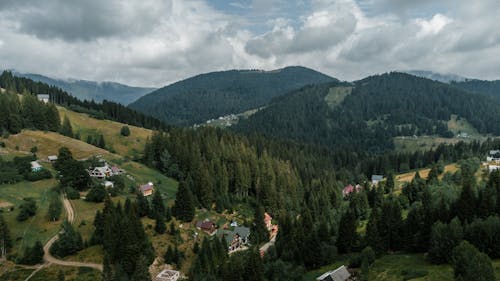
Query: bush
point(72, 193)
point(96, 194)
point(36, 176)
point(125, 131)
point(27, 209)
point(470, 264)
point(32, 255)
point(409, 274)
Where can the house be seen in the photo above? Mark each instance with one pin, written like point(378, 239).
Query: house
point(235, 238)
point(339, 274)
point(52, 158)
point(35, 167)
point(493, 156)
point(101, 172)
point(492, 168)
point(272, 228)
point(43, 97)
point(117, 171)
point(207, 226)
point(376, 179)
point(350, 189)
point(168, 275)
point(108, 184)
point(147, 189)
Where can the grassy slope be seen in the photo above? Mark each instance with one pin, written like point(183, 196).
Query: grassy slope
point(36, 228)
point(125, 146)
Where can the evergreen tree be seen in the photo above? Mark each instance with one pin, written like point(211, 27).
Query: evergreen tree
point(160, 226)
point(101, 143)
point(347, 237)
point(5, 241)
point(157, 206)
point(444, 237)
point(66, 128)
point(125, 131)
point(183, 208)
point(258, 229)
point(373, 238)
point(141, 272)
point(470, 264)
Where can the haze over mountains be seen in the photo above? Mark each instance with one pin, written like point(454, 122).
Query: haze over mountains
point(92, 90)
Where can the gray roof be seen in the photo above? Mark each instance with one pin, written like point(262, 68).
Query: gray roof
point(377, 177)
point(228, 235)
point(339, 274)
point(242, 231)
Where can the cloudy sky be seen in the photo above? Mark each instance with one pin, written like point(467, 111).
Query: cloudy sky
point(155, 42)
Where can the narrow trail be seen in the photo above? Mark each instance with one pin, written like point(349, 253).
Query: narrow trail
point(49, 259)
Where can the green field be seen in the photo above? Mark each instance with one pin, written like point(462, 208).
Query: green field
point(336, 95)
point(36, 228)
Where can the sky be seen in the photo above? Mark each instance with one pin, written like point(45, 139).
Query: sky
point(157, 42)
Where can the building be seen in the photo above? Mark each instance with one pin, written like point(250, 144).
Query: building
point(101, 172)
point(207, 226)
point(108, 184)
point(147, 189)
point(35, 167)
point(43, 97)
point(116, 170)
point(350, 189)
point(52, 158)
point(236, 238)
point(272, 228)
point(493, 156)
point(492, 168)
point(376, 179)
point(339, 274)
point(168, 275)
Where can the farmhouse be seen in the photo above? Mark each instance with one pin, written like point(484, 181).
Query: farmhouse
point(339, 274)
point(376, 179)
point(101, 172)
point(43, 97)
point(35, 167)
point(116, 170)
point(168, 275)
point(207, 226)
point(235, 239)
point(52, 158)
point(147, 189)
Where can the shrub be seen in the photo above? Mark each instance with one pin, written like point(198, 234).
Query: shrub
point(96, 194)
point(125, 131)
point(72, 193)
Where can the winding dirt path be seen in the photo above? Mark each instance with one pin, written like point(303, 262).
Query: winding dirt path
point(49, 259)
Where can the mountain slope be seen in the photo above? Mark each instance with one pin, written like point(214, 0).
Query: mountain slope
point(488, 88)
point(365, 115)
point(215, 94)
point(445, 78)
point(89, 90)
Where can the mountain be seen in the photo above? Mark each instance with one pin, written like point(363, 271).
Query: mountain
point(445, 78)
point(215, 94)
point(89, 90)
point(489, 88)
point(367, 114)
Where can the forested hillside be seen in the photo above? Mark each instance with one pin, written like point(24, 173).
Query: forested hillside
point(105, 110)
point(366, 115)
point(215, 94)
point(489, 88)
point(91, 90)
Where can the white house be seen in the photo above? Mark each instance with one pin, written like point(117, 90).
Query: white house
point(168, 275)
point(108, 184)
point(493, 156)
point(35, 166)
point(101, 172)
point(376, 179)
point(52, 158)
point(43, 97)
point(339, 274)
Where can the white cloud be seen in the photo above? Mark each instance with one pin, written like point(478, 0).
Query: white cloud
point(155, 42)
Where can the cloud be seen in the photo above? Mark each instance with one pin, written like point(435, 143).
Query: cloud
point(155, 42)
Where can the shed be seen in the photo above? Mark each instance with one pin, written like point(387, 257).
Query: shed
point(339, 274)
point(168, 275)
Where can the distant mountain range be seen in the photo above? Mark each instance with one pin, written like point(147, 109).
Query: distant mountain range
point(365, 115)
point(211, 95)
point(98, 91)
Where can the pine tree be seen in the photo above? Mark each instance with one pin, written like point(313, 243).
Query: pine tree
point(470, 264)
point(142, 205)
point(259, 230)
point(66, 128)
point(347, 237)
point(183, 208)
point(160, 227)
point(373, 238)
point(5, 241)
point(157, 206)
point(141, 272)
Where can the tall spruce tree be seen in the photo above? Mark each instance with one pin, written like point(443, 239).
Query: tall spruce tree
point(66, 128)
point(183, 208)
point(5, 241)
point(259, 230)
point(347, 237)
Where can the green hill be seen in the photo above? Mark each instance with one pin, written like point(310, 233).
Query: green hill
point(92, 90)
point(367, 114)
point(215, 94)
point(484, 87)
